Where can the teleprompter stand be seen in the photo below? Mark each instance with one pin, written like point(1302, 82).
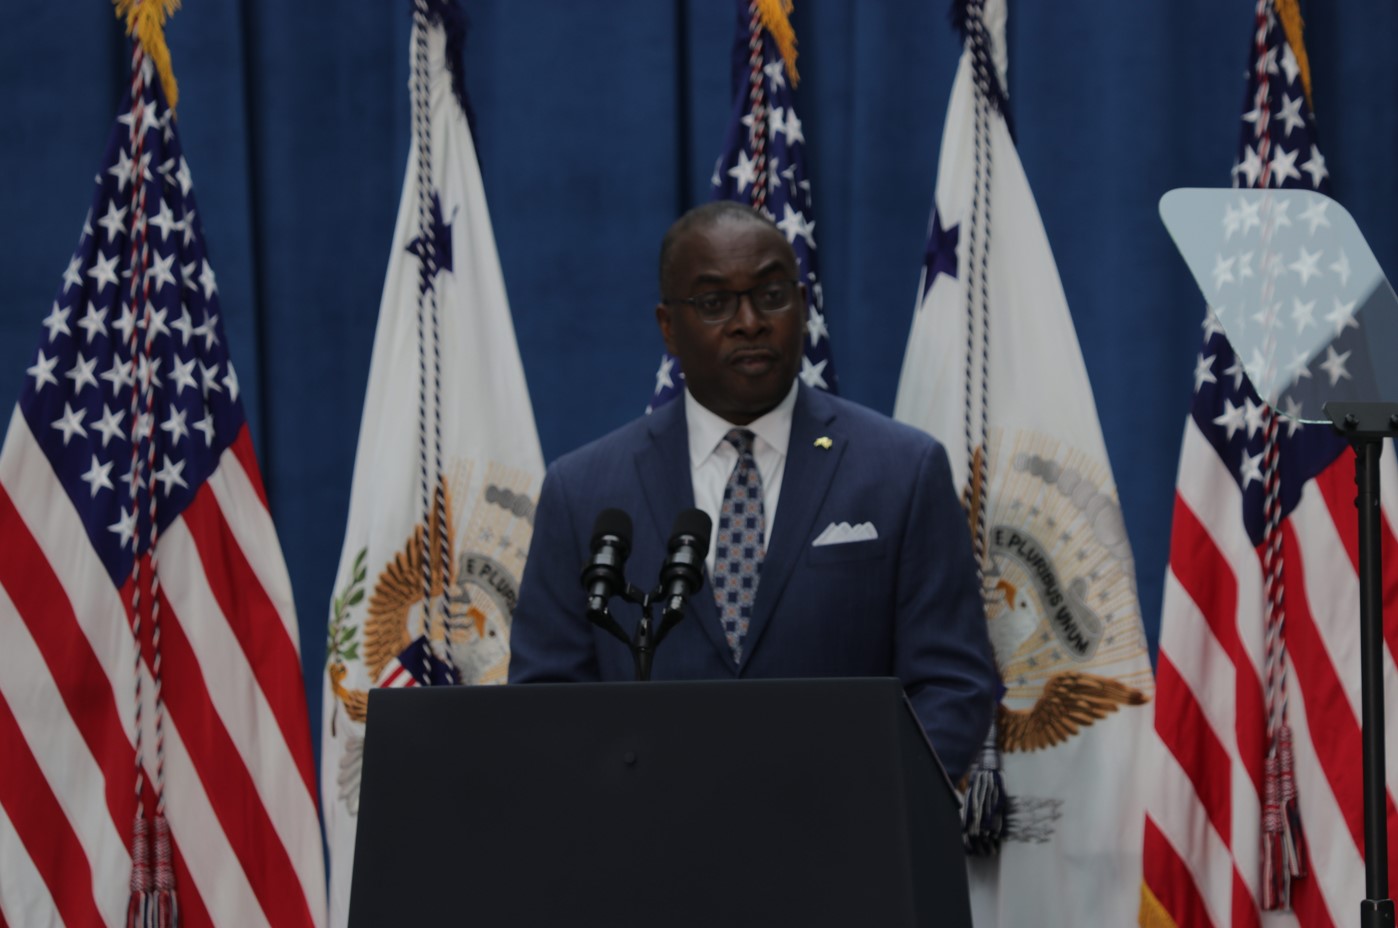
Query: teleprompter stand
point(1366, 425)
point(748, 803)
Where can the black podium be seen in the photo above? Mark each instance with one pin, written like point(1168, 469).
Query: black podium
point(753, 803)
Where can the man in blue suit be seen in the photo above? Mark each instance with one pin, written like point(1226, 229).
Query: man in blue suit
point(840, 548)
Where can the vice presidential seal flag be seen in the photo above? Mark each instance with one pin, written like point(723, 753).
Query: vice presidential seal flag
point(156, 766)
point(1259, 805)
point(993, 369)
point(763, 164)
point(448, 466)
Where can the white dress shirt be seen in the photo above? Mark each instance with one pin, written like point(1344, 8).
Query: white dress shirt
point(711, 459)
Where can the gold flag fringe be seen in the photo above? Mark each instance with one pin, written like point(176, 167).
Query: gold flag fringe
point(1289, 12)
point(145, 22)
point(1152, 914)
point(776, 20)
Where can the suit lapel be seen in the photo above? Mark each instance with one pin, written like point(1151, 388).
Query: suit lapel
point(663, 471)
point(662, 467)
point(805, 481)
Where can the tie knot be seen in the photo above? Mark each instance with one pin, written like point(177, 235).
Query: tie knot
point(740, 439)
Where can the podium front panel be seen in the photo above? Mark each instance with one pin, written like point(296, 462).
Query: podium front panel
point(802, 802)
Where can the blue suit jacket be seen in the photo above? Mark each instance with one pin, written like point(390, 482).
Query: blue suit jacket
point(905, 604)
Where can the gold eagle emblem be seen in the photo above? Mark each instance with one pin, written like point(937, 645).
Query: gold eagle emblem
point(1069, 703)
point(1058, 587)
point(389, 627)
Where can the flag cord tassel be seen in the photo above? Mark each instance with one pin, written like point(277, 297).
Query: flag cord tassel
point(153, 902)
point(757, 106)
point(141, 907)
point(1283, 840)
point(139, 904)
point(1291, 813)
point(434, 545)
point(983, 813)
point(167, 905)
point(1283, 843)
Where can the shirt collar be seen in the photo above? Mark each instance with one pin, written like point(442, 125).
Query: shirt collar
point(706, 428)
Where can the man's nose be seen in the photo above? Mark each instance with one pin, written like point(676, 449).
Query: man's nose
point(748, 317)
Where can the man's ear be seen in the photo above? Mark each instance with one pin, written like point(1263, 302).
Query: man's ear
point(662, 319)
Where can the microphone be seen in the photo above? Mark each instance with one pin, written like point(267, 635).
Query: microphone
point(611, 544)
point(683, 571)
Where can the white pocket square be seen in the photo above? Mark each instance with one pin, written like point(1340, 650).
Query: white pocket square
point(839, 533)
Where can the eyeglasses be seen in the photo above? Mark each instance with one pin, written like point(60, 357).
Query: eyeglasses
point(718, 306)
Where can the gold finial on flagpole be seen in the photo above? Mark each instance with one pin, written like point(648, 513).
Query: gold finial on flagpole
point(145, 22)
point(776, 19)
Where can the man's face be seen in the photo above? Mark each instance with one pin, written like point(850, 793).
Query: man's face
point(743, 367)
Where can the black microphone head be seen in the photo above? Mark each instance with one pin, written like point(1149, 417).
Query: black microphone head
point(696, 524)
point(613, 522)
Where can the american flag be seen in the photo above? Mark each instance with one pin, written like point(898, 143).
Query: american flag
point(1258, 675)
point(131, 509)
point(767, 170)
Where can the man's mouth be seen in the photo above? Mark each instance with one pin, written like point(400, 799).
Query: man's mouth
point(752, 360)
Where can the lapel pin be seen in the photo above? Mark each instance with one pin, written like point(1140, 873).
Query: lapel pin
point(824, 442)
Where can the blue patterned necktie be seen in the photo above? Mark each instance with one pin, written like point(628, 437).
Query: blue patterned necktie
point(739, 548)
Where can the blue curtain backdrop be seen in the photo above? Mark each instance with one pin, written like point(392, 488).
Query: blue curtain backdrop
point(596, 124)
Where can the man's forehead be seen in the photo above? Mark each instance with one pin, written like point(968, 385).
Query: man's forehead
point(727, 223)
point(727, 236)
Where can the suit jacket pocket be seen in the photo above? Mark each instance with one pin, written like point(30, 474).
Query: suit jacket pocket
point(847, 552)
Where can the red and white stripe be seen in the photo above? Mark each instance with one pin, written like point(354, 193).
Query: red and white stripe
point(396, 676)
point(239, 778)
point(1203, 816)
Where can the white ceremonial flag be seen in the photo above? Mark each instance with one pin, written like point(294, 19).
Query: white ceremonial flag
point(448, 466)
point(993, 369)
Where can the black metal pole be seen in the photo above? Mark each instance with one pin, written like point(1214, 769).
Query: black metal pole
point(1366, 425)
point(1377, 909)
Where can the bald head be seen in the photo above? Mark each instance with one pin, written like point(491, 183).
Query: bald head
point(707, 216)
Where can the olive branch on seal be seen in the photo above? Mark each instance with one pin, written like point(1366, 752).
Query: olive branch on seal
point(340, 645)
